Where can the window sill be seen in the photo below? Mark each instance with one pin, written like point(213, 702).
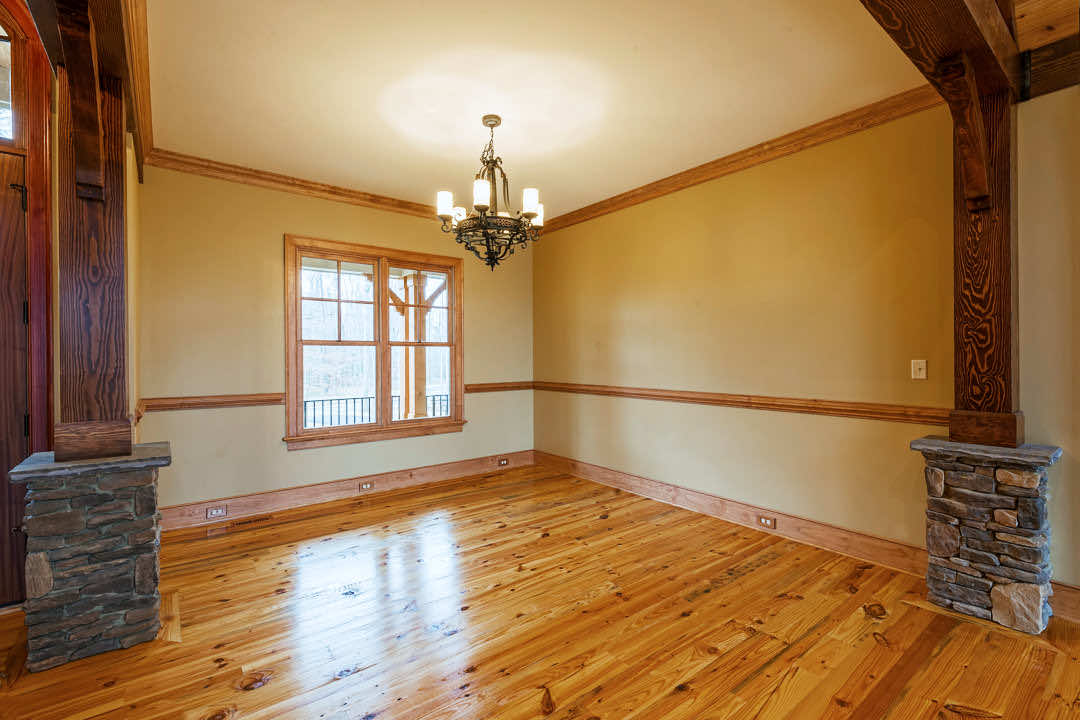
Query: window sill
point(348, 436)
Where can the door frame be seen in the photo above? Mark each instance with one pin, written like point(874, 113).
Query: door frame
point(32, 84)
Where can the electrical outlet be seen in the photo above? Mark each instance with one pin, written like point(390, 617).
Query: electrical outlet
point(503, 462)
point(918, 369)
point(769, 523)
point(218, 511)
point(367, 485)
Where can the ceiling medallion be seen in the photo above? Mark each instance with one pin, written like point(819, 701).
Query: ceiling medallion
point(489, 233)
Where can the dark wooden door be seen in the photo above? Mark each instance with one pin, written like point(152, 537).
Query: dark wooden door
point(13, 374)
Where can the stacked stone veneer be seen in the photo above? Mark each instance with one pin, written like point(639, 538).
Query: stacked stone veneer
point(93, 534)
point(988, 530)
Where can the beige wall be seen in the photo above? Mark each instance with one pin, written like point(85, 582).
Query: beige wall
point(820, 275)
point(1049, 205)
point(211, 321)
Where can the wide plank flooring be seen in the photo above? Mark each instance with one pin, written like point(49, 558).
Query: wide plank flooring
point(533, 594)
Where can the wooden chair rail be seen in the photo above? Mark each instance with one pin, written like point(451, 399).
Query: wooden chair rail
point(918, 414)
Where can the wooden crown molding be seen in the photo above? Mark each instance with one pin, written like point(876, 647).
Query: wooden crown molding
point(286, 183)
point(863, 410)
point(892, 108)
point(137, 45)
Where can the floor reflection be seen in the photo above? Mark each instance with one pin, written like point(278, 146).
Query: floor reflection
point(367, 599)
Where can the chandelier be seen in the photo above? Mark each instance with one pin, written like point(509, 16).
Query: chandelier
point(489, 233)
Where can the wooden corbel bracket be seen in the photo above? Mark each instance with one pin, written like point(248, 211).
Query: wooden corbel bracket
point(955, 80)
point(80, 61)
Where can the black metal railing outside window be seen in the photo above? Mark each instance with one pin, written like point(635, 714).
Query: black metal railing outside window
point(333, 412)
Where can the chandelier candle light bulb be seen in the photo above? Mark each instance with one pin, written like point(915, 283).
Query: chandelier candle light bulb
point(492, 232)
point(530, 199)
point(481, 193)
point(444, 204)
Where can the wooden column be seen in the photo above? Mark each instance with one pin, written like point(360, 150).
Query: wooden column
point(93, 389)
point(965, 48)
point(985, 290)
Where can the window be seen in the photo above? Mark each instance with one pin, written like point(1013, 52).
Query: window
point(12, 83)
point(374, 343)
point(7, 128)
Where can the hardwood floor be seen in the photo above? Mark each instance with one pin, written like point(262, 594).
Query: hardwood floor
point(533, 594)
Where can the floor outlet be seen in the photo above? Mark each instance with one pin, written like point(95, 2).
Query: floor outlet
point(769, 523)
point(367, 486)
point(218, 511)
point(503, 462)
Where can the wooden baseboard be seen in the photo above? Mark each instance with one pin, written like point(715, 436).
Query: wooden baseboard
point(244, 506)
point(881, 551)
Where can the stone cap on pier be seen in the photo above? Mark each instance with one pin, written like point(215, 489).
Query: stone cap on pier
point(43, 464)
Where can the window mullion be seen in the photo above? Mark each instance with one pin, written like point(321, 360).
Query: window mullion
point(382, 298)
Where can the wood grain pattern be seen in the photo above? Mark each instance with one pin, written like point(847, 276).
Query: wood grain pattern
point(84, 134)
point(285, 183)
point(1054, 67)
point(1042, 22)
point(890, 553)
point(881, 551)
point(955, 80)
point(987, 428)
point(966, 49)
point(92, 439)
point(984, 283)
point(14, 390)
point(928, 31)
point(91, 275)
point(260, 504)
point(869, 411)
point(892, 108)
point(532, 593)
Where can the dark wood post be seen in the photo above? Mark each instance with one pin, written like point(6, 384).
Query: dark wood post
point(966, 49)
point(94, 418)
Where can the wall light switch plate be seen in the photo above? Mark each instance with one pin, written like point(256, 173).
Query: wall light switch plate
point(918, 369)
point(218, 511)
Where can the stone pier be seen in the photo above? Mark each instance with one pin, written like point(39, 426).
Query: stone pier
point(92, 543)
point(988, 530)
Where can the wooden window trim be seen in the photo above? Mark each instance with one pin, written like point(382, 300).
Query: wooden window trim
point(298, 438)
